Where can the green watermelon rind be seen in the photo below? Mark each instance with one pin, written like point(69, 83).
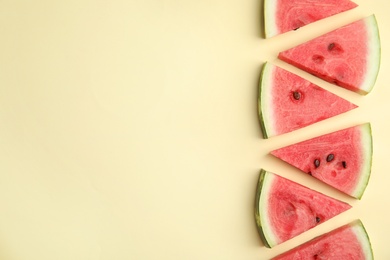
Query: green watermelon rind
point(367, 145)
point(374, 55)
point(264, 101)
point(362, 235)
point(262, 223)
point(270, 29)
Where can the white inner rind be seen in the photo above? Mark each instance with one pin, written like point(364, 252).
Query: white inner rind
point(263, 208)
point(373, 53)
point(270, 18)
point(266, 99)
point(366, 144)
point(364, 240)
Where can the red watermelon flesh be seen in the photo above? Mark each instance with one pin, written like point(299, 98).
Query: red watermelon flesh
point(285, 209)
point(288, 102)
point(285, 15)
point(347, 242)
point(341, 159)
point(348, 57)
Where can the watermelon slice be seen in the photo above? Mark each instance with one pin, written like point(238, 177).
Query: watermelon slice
point(288, 102)
point(341, 159)
point(285, 209)
point(347, 242)
point(285, 15)
point(348, 57)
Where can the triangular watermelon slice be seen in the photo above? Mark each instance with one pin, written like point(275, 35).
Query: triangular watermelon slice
point(285, 209)
point(348, 57)
point(341, 159)
point(288, 102)
point(285, 15)
point(347, 242)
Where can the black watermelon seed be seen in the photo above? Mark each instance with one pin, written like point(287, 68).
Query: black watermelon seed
point(344, 163)
point(297, 95)
point(331, 46)
point(330, 157)
point(318, 219)
point(316, 163)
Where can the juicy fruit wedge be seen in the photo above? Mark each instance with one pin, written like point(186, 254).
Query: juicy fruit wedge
point(285, 15)
point(341, 159)
point(348, 57)
point(288, 102)
point(285, 209)
point(347, 242)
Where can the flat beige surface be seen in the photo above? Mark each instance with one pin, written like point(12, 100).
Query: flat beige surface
point(129, 129)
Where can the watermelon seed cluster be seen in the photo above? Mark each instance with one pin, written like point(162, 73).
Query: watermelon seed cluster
point(323, 163)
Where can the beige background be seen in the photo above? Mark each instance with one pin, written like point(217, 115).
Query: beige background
point(129, 129)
